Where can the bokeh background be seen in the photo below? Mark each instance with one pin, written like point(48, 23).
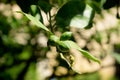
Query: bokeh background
point(24, 54)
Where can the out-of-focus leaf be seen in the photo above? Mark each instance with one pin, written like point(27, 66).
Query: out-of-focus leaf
point(25, 55)
point(44, 5)
point(89, 76)
point(35, 11)
point(108, 4)
point(117, 57)
point(4, 24)
point(83, 20)
point(70, 44)
point(98, 37)
point(35, 21)
point(103, 2)
point(31, 73)
point(15, 70)
point(7, 40)
point(61, 2)
point(25, 4)
point(8, 59)
point(97, 5)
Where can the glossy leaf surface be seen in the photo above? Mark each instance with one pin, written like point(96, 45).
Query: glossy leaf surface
point(65, 13)
point(83, 20)
point(75, 13)
point(66, 36)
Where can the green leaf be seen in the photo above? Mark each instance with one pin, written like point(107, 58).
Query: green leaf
point(61, 2)
point(110, 4)
point(95, 5)
point(35, 21)
point(44, 5)
point(70, 44)
point(70, 61)
point(31, 72)
point(35, 11)
point(68, 11)
point(62, 47)
point(84, 19)
point(53, 40)
point(70, 58)
point(66, 36)
point(75, 13)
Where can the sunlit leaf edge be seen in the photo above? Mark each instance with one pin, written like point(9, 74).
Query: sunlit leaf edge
point(72, 45)
point(35, 21)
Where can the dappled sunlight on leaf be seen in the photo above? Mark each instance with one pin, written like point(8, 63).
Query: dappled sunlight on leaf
point(83, 20)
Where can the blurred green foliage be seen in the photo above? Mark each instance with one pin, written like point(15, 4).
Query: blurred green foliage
point(17, 59)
